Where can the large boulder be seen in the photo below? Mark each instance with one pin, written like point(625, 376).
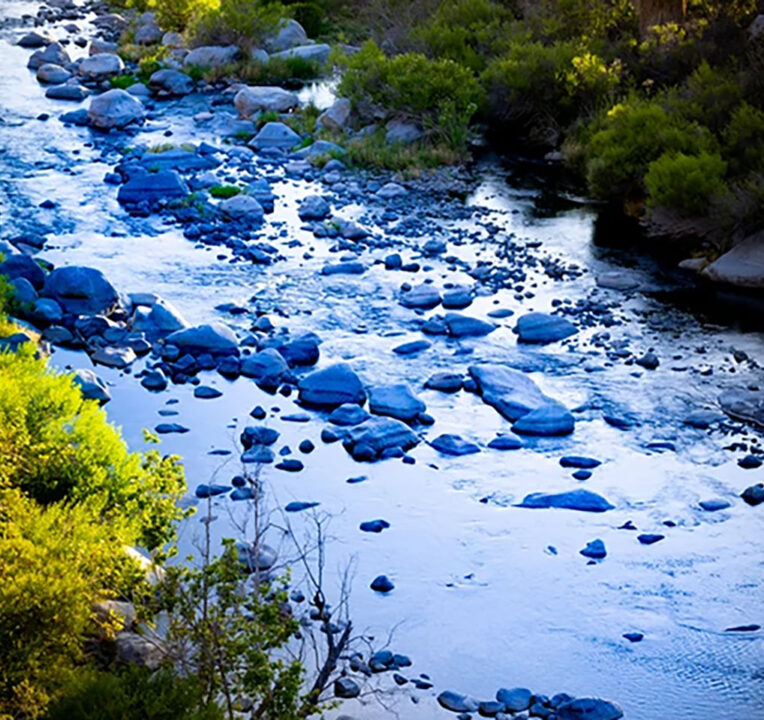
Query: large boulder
point(35, 39)
point(115, 109)
point(395, 401)
point(148, 33)
point(152, 187)
point(159, 318)
point(91, 386)
point(745, 405)
point(81, 290)
point(541, 328)
point(172, 82)
point(511, 392)
point(314, 207)
point(290, 34)
point(53, 54)
point(331, 387)
point(460, 326)
point(254, 99)
point(743, 266)
point(335, 118)
point(75, 93)
point(51, 74)
point(267, 366)
point(318, 53)
point(242, 208)
point(100, 66)
point(275, 135)
point(215, 339)
point(211, 56)
point(546, 421)
point(379, 437)
point(22, 266)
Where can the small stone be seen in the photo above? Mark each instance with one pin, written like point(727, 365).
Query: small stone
point(382, 584)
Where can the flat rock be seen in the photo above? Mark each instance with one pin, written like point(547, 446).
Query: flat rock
point(395, 401)
point(100, 66)
point(457, 703)
point(316, 53)
point(579, 499)
point(743, 266)
point(465, 326)
point(541, 328)
point(214, 338)
point(210, 56)
point(348, 415)
point(445, 382)
point(331, 387)
point(153, 187)
point(450, 444)
point(242, 208)
point(75, 93)
point(422, 297)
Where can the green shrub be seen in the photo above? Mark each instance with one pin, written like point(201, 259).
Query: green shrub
point(709, 97)
point(685, 182)
point(133, 693)
point(630, 137)
point(245, 23)
point(123, 81)
point(744, 140)
point(373, 151)
point(224, 191)
point(55, 446)
point(465, 31)
point(55, 562)
point(312, 15)
point(439, 94)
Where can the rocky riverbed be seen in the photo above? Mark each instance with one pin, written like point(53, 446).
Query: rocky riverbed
point(533, 455)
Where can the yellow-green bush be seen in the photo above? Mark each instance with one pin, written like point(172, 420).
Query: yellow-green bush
point(55, 562)
point(744, 140)
point(245, 23)
point(55, 446)
point(685, 182)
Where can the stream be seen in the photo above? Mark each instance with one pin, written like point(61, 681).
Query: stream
point(487, 594)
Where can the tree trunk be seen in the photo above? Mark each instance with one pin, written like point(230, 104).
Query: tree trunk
point(658, 12)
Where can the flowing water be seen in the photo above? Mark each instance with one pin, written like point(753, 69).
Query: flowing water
point(487, 594)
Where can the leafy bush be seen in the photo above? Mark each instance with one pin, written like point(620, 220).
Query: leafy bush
point(123, 81)
point(55, 562)
point(685, 182)
point(439, 94)
point(133, 693)
point(630, 137)
point(709, 97)
point(465, 31)
point(744, 140)
point(55, 446)
point(245, 23)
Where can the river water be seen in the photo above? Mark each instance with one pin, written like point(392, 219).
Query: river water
point(487, 594)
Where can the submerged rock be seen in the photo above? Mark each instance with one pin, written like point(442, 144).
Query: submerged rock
point(589, 709)
point(579, 499)
point(745, 405)
point(377, 437)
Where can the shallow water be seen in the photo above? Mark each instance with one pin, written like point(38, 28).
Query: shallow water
point(481, 599)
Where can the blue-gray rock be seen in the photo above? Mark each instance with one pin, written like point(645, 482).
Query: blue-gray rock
point(423, 297)
point(290, 34)
point(336, 116)
point(159, 318)
point(115, 109)
point(54, 53)
point(547, 421)
point(346, 688)
point(374, 526)
point(398, 132)
point(634, 637)
point(514, 699)
point(382, 584)
point(316, 53)
point(258, 435)
point(91, 386)
point(344, 268)
point(650, 538)
point(214, 338)
point(172, 82)
point(211, 56)
point(153, 187)
point(75, 117)
point(450, 444)
point(395, 401)
point(22, 266)
point(505, 442)
point(75, 93)
point(46, 312)
point(298, 506)
point(331, 387)
point(457, 298)
point(81, 290)
point(243, 208)
point(348, 415)
point(412, 347)
point(579, 461)
point(166, 428)
point(714, 504)
point(595, 549)
point(205, 392)
point(579, 499)
point(255, 558)
point(457, 703)
point(100, 66)
point(303, 350)
point(378, 435)
point(52, 74)
point(267, 366)
point(465, 326)
point(745, 405)
point(589, 709)
point(154, 380)
point(251, 100)
point(445, 382)
point(178, 158)
point(511, 392)
point(207, 491)
point(542, 328)
point(275, 135)
point(243, 493)
point(320, 147)
point(314, 207)
point(290, 465)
